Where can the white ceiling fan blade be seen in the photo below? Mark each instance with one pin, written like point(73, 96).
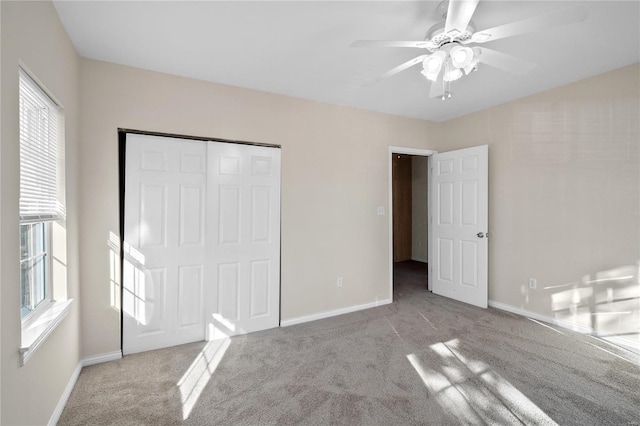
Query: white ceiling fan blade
point(565, 16)
point(437, 88)
point(458, 15)
point(389, 43)
point(505, 62)
point(402, 67)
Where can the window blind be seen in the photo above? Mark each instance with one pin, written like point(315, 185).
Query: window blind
point(40, 143)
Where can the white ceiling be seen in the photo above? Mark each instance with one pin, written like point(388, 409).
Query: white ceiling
point(302, 48)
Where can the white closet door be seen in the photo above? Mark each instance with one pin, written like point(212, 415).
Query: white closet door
point(244, 237)
point(459, 229)
point(164, 265)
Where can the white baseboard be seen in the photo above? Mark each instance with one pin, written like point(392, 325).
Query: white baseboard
point(65, 395)
point(99, 359)
point(629, 344)
point(110, 356)
point(328, 314)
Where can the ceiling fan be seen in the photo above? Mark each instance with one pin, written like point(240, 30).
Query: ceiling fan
point(451, 44)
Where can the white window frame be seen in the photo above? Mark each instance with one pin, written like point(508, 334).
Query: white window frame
point(38, 324)
point(47, 276)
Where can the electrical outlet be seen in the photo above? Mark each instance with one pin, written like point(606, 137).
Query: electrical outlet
point(339, 282)
point(532, 283)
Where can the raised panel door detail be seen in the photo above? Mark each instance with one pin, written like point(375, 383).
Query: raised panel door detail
point(469, 164)
point(229, 214)
point(260, 270)
point(229, 165)
point(150, 301)
point(445, 167)
point(152, 215)
point(260, 166)
point(469, 213)
point(191, 214)
point(193, 163)
point(469, 263)
point(260, 217)
point(189, 295)
point(228, 286)
point(445, 259)
point(153, 161)
point(445, 197)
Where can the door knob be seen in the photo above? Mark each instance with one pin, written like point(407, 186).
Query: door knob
point(480, 234)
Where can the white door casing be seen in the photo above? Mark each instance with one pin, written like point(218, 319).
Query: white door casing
point(164, 261)
point(244, 236)
point(202, 241)
point(459, 228)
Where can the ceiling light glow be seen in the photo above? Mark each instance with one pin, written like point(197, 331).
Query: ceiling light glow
point(432, 65)
point(461, 56)
point(452, 74)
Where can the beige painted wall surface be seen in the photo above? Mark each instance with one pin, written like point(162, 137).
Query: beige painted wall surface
point(33, 34)
point(419, 205)
point(564, 187)
point(334, 175)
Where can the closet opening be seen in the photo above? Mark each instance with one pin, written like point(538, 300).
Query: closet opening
point(409, 220)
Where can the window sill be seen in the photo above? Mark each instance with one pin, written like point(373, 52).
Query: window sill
point(37, 329)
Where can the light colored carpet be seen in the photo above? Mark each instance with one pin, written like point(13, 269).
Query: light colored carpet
point(422, 360)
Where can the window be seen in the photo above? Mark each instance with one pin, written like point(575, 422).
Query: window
point(42, 215)
point(40, 199)
point(34, 268)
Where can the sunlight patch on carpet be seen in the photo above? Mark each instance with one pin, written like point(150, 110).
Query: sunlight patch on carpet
point(471, 390)
point(193, 382)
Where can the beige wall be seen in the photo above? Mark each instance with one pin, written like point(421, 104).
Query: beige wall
point(563, 189)
point(419, 236)
point(334, 175)
point(33, 35)
point(564, 186)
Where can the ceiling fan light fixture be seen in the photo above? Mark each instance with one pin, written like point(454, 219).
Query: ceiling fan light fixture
point(429, 76)
point(432, 65)
point(451, 73)
point(473, 65)
point(461, 56)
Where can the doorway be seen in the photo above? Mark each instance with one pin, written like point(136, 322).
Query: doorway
point(410, 223)
point(458, 222)
point(409, 217)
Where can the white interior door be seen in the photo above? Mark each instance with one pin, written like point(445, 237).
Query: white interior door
point(164, 264)
point(459, 212)
point(202, 241)
point(244, 202)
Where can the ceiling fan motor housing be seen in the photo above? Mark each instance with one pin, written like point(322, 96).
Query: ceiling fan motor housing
point(439, 38)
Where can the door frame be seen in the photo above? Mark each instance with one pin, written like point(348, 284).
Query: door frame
point(407, 151)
